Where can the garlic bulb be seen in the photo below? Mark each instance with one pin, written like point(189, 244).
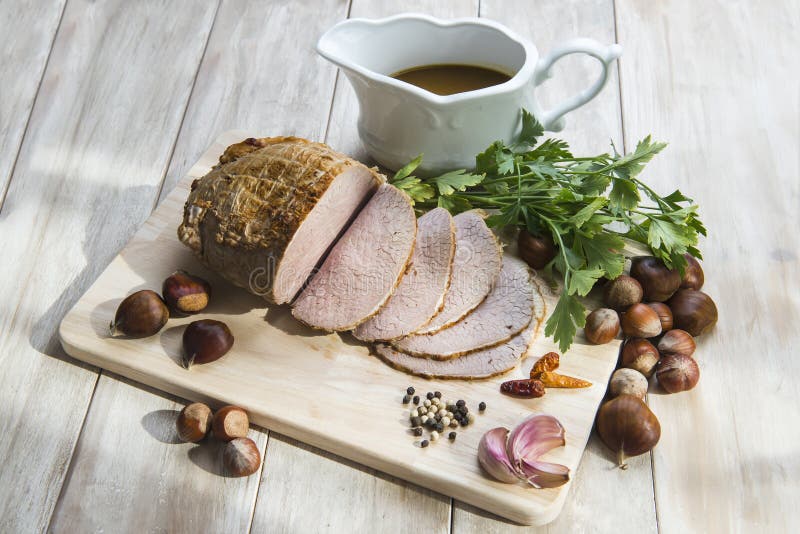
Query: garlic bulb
point(513, 456)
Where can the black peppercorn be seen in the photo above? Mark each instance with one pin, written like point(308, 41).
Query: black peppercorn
point(410, 390)
point(429, 395)
point(452, 436)
point(461, 403)
point(423, 443)
point(464, 421)
point(439, 427)
point(406, 399)
point(416, 421)
point(416, 399)
point(417, 431)
point(482, 406)
point(437, 394)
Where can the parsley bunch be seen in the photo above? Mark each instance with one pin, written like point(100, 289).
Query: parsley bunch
point(588, 205)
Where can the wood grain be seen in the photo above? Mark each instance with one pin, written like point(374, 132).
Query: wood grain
point(719, 81)
point(27, 30)
point(263, 63)
point(598, 485)
point(276, 359)
point(87, 173)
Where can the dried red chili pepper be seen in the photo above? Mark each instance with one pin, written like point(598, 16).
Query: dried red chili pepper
point(526, 388)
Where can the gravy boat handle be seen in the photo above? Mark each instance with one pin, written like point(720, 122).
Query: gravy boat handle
point(553, 119)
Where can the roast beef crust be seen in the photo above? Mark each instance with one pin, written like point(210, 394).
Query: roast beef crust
point(240, 217)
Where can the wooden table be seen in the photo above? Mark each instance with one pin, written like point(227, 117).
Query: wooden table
point(105, 104)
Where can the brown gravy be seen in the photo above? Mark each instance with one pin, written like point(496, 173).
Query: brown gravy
point(451, 79)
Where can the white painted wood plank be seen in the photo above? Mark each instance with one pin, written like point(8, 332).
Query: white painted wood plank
point(27, 30)
point(718, 80)
point(601, 495)
point(353, 498)
point(93, 157)
point(260, 74)
point(130, 471)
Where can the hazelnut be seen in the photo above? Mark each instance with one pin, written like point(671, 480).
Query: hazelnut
point(641, 321)
point(658, 282)
point(205, 341)
point(677, 373)
point(622, 293)
point(628, 382)
point(664, 314)
point(230, 422)
point(641, 355)
point(186, 293)
point(241, 457)
point(536, 251)
point(676, 342)
point(602, 325)
point(193, 422)
point(140, 314)
point(693, 276)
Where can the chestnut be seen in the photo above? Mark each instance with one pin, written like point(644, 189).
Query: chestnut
point(641, 355)
point(241, 457)
point(193, 422)
point(140, 314)
point(664, 314)
point(622, 292)
point(641, 321)
point(658, 282)
point(693, 311)
point(628, 382)
point(677, 372)
point(602, 325)
point(676, 342)
point(536, 251)
point(693, 277)
point(628, 427)
point(205, 341)
point(186, 293)
point(230, 422)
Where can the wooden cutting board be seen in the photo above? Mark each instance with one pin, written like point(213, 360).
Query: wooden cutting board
point(326, 389)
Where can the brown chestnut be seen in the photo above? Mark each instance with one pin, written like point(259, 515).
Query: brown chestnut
point(640, 320)
point(677, 372)
point(230, 422)
point(193, 422)
point(205, 341)
point(536, 251)
point(676, 342)
point(622, 292)
point(628, 427)
point(186, 293)
point(693, 277)
point(658, 282)
point(693, 311)
point(664, 314)
point(241, 457)
point(140, 314)
point(602, 325)
point(639, 354)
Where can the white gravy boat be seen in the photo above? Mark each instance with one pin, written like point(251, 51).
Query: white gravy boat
point(398, 121)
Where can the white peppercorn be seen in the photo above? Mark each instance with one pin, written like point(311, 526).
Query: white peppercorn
point(426, 403)
point(445, 420)
point(414, 413)
point(434, 435)
point(424, 418)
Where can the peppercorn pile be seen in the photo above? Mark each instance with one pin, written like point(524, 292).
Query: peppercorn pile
point(437, 415)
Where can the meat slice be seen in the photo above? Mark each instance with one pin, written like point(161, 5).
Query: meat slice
point(420, 293)
point(364, 266)
point(267, 213)
point(475, 269)
point(504, 313)
point(484, 363)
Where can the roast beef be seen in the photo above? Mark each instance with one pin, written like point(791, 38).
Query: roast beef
point(504, 313)
point(475, 365)
point(475, 269)
point(421, 291)
point(363, 267)
point(266, 214)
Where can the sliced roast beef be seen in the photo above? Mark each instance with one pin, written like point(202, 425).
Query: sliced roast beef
point(475, 365)
point(504, 313)
point(267, 213)
point(475, 269)
point(363, 267)
point(420, 293)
